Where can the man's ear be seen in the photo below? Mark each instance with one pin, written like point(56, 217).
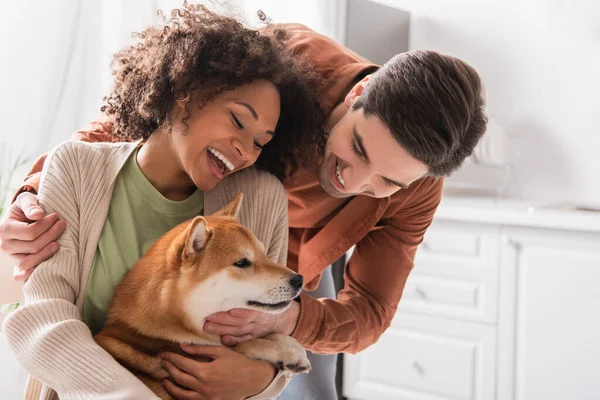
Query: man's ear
point(356, 91)
point(197, 236)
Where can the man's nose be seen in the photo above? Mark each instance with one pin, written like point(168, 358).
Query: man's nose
point(357, 181)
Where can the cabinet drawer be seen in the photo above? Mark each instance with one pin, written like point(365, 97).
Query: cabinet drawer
point(425, 358)
point(471, 299)
point(444, 240)
point(462, 246)
point(455, 273)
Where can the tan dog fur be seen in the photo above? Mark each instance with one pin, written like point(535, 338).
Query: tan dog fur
point(187, 275)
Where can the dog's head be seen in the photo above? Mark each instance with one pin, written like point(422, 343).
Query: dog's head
point(223, 266)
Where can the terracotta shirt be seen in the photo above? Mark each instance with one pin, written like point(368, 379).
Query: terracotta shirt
point(386, 231)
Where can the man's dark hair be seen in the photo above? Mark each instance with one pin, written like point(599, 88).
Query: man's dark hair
point(432, 103)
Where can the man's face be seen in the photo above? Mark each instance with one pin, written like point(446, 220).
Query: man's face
point(362, 157)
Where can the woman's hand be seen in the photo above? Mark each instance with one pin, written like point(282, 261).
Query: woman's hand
point(239, 324)
point(230, 375)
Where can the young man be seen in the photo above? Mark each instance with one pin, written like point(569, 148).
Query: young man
point(394, 132)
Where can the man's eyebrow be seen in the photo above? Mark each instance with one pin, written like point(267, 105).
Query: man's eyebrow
point(250, 108)
point(400, 185)
point(361, 145)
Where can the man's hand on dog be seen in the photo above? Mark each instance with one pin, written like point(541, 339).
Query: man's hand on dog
point(195, 380)
point(239, 324)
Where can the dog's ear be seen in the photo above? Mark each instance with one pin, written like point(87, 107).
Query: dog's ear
point(197, 236)
point(233, 208)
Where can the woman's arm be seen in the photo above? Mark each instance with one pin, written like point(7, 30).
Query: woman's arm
point(277, 249)
point(98, 131)
point(47, 333)
point(26, 234)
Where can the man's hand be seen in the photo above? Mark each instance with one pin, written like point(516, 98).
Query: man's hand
point(28, 236)
point(230, 375)
point(240, 324)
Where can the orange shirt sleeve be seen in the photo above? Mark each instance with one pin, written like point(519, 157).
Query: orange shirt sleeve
point(98, 131)
point(374, 280)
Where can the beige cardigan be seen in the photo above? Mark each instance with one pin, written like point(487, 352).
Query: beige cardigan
point(47, 333)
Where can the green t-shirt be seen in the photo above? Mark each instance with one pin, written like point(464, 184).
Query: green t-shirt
point(138, 215)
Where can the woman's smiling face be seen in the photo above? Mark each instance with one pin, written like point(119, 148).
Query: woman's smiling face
point(225, 135)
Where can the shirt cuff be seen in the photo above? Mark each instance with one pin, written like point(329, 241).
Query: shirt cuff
point(309, 320)
point(275, 387)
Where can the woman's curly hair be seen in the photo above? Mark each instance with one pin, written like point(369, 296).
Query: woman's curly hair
point(202, 54)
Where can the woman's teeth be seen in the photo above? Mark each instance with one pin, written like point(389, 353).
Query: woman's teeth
point(223, 159)
point(338, 174)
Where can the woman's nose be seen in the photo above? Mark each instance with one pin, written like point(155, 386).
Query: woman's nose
point(241, 150)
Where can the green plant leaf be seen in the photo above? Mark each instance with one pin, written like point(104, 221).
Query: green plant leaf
point(8, 308)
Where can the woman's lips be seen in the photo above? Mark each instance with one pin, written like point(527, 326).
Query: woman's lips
point(216, 167)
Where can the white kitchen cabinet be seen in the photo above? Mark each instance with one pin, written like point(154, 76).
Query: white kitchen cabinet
point(502, 305)
point(456, 273)
point(425, 358)
point(550, 326)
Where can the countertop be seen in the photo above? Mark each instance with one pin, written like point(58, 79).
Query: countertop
point(510, 212)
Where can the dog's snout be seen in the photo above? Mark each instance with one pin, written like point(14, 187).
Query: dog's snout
point(297, 281)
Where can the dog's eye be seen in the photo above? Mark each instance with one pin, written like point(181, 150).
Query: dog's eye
point(243, 263)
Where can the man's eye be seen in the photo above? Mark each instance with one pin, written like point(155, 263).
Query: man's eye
point(356, 150)
point(258, 145)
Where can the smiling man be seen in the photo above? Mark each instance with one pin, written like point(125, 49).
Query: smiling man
point(394, 131)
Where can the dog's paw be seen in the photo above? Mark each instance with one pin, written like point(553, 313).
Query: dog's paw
point(286, 341)
point(285, 354)
point(298, 368)
point(294, 361)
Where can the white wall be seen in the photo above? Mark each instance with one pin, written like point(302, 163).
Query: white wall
point(54, 73)
point(322, 16)
point(540, 61)
point(54, 69)
point(12, 377)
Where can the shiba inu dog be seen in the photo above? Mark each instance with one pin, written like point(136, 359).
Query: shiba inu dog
point(200, 267)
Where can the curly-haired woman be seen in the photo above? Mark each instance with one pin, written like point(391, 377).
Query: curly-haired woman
point(198, 100)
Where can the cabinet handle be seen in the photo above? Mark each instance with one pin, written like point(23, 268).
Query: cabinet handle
point(421, 293)
point(419, 368)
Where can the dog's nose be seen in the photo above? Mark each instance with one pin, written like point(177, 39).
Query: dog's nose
point(297, 281)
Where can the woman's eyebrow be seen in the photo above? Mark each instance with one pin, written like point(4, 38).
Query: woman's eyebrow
point(250, 108)
point(254, 114)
